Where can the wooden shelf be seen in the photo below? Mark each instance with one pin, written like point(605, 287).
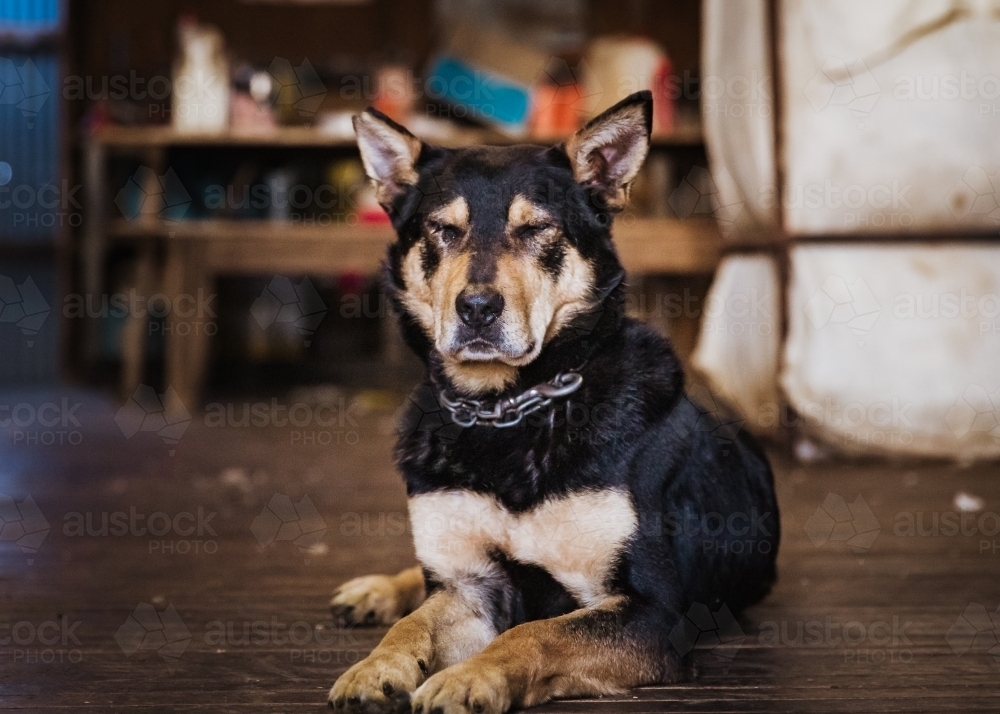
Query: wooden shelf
point(646, 245)
point(163, 136)
point(196, 251)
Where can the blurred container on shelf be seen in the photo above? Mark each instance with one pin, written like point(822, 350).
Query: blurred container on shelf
point(247, 116)
point(394, 92)
point(200, 88)
point(298, 92)
point(337, 124)
point(486, 76)
point(251, 101)
point(355, 195)
point(558, 106)
point(620, 65)
point(555, 27)
point(279, 183)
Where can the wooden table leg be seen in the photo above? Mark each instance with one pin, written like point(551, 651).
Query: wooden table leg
point(92, 248)
point(200, 282)
point(185, 337)
point(135, 334)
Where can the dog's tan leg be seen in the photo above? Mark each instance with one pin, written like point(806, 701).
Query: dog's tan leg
point(446, 629)
point(585, 653)
point(378, 599)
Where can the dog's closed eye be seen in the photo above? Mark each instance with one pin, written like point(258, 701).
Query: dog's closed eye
point(445, 231)
point(533, 230)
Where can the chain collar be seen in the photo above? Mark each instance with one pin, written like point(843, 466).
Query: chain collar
point(510, 411)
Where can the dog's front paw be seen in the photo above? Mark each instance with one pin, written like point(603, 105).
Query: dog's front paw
point(379, 684)
point(470, 687)
point(369, 600)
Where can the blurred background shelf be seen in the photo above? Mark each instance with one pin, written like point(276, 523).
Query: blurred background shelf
point(126, 164)
point(162, 136)
point(646, 245)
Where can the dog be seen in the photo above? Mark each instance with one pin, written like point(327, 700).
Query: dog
point(569, 503)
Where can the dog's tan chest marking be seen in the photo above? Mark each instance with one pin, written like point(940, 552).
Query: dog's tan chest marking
point(575, 538)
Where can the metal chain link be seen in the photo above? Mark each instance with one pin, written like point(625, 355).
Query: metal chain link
point(510, 411)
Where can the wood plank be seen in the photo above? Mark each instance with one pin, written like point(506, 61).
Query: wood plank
point(648, 245)
point(233, 471)
point(140, 137)
point(664, 245)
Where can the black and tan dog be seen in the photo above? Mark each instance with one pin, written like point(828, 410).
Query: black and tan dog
point(568, 503)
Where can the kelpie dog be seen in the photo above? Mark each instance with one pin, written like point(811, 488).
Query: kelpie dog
point(569, 504)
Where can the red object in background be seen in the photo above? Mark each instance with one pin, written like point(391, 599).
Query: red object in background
point(664, 108)
point(556, 110)
point(394, 94)
point(373, 216)
point(352, 283)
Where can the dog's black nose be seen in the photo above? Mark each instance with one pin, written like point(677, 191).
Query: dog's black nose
point(479, 308)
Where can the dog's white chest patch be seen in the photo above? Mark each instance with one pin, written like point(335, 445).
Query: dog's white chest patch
point(575, 538)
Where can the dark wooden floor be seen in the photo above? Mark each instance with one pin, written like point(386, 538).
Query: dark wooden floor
point(223, 581)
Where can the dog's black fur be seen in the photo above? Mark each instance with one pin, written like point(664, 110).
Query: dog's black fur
point(629, 427)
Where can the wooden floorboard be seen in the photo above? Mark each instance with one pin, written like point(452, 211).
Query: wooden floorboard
point(223, 581)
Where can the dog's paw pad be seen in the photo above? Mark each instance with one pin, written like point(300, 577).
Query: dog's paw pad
point(463, 689)
point(380, 684)
point(369, 600)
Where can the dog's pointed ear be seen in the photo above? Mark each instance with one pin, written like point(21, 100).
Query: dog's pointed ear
point(608, 152)
point(389, 153)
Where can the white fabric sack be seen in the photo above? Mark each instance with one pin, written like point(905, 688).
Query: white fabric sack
point(737, 108)
point(737, 352)
point(891, 114)
point(896, 349)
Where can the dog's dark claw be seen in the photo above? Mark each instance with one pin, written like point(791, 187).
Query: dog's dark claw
point(400, 702)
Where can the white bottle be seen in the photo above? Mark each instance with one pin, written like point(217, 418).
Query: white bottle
point(200, 92)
